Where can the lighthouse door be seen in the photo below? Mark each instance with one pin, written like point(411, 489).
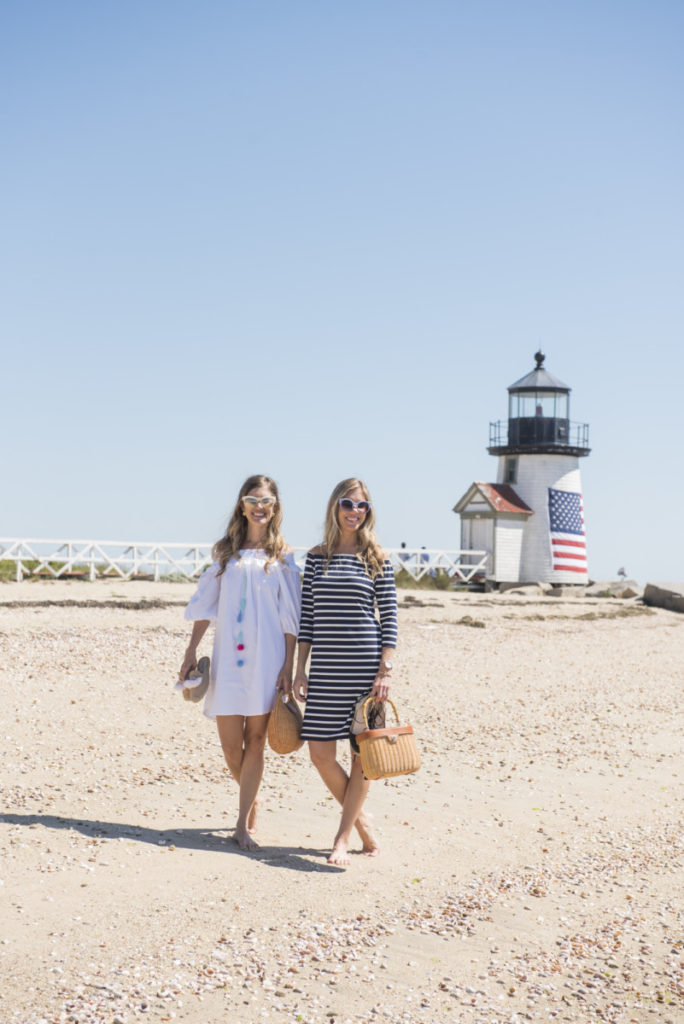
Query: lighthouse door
point(481, 534)
point(478, 535)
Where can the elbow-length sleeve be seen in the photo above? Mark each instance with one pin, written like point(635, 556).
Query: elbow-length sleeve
point(204, 602)
point(306, 633)
point(386, 599)
point(290, 597)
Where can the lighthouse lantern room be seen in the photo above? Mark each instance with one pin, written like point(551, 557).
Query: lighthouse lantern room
point(541, 519)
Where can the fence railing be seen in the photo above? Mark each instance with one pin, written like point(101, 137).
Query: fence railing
point(460, 566)
point(96, 559)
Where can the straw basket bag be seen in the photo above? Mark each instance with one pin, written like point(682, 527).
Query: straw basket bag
point(285, 725)
point(387, 752)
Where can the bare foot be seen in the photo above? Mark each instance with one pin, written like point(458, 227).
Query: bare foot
point(339, 853)
point(364, 826)
point(253, 815)
point(244, 840)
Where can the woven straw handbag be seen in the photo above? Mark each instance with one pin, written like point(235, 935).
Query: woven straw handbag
point(389, 751)
point(285, 725)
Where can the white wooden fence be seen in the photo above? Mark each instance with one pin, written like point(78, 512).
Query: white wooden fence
point(95, 559)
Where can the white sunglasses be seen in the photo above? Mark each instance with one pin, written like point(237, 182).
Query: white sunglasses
point(249, 500)
point(353, 506)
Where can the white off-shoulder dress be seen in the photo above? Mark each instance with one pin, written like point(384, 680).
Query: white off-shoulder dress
point(253, 608)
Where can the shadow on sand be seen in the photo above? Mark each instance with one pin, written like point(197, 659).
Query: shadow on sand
point(294, 858)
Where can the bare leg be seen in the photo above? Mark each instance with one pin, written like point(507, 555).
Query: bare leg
point(231, 730)
point(354, 797)
point(324, 756)
point(250, 778)
point(253, 816)
point(243, 740)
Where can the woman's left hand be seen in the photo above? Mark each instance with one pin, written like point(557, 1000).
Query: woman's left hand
point(284, 681)
point(381, 686)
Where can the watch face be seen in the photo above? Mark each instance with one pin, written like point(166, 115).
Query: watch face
point(388, 664)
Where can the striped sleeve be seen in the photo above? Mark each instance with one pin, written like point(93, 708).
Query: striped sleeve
point(306, 617)
point(386, 599)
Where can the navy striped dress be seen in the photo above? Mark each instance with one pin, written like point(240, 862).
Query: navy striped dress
point(340, 609)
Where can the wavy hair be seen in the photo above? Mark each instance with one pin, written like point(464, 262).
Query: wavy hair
point(369, 550)
point(236, 531)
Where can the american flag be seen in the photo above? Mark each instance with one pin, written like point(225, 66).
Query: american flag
point(566, 527)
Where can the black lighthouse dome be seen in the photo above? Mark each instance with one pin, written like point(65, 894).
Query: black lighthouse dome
point(539, 418)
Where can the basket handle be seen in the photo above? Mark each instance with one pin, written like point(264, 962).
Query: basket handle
point(369, 700)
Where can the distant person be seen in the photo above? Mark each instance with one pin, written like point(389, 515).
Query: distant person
point(252, 591)
point(403, 554)
point(349, 627)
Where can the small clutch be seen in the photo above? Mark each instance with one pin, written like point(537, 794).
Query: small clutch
point(366, 718)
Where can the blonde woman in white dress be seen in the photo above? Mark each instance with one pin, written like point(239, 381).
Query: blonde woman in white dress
point(252, 592)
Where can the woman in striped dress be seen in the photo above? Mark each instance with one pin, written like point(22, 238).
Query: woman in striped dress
point(349, 627)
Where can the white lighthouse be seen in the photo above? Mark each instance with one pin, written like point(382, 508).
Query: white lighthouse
point(531, 521)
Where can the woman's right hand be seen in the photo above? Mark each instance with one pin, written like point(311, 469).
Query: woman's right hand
point(189, 662)
point(301, 685)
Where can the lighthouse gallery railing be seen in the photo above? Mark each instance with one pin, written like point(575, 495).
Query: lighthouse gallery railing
point(537, 431)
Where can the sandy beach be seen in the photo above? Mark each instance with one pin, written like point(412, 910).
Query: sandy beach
point(533, 869)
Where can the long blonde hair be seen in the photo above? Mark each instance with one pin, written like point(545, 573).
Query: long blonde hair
point(369, 550)
point(235, 536)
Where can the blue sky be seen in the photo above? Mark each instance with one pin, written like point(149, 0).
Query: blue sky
point(318, 240)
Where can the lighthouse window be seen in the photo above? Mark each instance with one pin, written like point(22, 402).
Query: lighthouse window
point(540, 403)
point(527, 405)
point(511, 471)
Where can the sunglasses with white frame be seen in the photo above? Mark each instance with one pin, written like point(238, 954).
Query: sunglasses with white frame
point(352, 506)
point(249, 499)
